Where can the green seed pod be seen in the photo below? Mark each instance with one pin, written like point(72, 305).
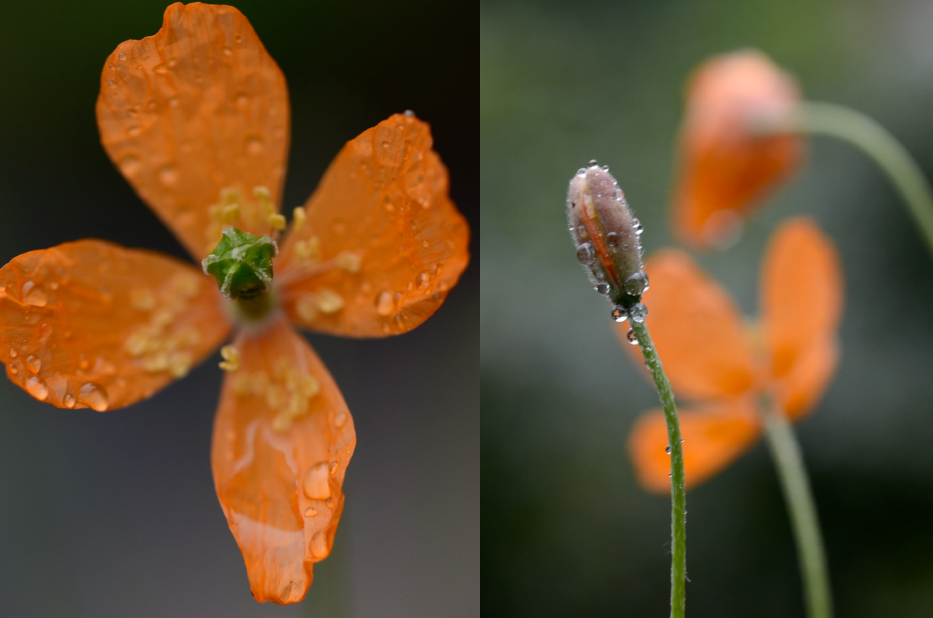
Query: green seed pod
point(242, 264)
point(606, 236)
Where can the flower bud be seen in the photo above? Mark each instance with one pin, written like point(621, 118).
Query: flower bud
point(726, 164)
point(606, 236)
point(242, 264)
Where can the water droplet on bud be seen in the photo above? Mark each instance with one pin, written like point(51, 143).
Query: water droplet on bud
point(585, 253)
point(619, 314)
point(636, 225)
point(638, 312)
point(637, 284)
point(601, 288)
point(592, 163)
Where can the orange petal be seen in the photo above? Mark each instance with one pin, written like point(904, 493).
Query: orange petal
point(696, 329)
point(798, 391)
point(197, 109)
point(724, 168)
point(90, 324)
point(801, 297)
point(713, 435)
point(282, 440)
point(382, 210)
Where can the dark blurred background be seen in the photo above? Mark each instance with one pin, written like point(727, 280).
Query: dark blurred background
point(115, 514)
point(566, 530)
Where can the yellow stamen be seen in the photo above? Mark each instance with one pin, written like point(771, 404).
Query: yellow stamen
point(349, 261)
point(329, 301)
point(231, 358)
point(143, 299)
point(307, 309)
point(299, 217)
point(276, 221)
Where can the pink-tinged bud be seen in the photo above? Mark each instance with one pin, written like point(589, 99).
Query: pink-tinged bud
point(607, 238)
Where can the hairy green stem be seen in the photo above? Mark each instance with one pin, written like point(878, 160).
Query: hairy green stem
point(678, 493)
point(800, 506)
point(876, 142)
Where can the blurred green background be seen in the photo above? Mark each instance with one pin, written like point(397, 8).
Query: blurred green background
point(115, 514)
point(566, 531)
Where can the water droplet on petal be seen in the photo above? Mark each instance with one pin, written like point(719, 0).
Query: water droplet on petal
point(315, 483)
point(94, 396)
point(121, 56)
point(585, 253)
point(34, 294)
point(310, 512)
point(37, 389)
point(227, 51)
point(422, 280)
point(168, 175)
point(318, 545)
point(341, 419)
point(69, 400)
point(13, 369)
point(133, 130)
point(329, 502)
point(630, 335)
point(385, 303)
point(638, 312)
point(34, 363)
point(333, 467)
point(619, 314)
point(254, 145)
point(13, 352)
point(129, 164)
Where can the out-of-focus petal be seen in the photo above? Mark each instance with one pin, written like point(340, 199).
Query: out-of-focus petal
point(382, 244)
point(197, 109)
point(724, 168)
point(798, 390)
point(90, 324)
point(283, 437)
point(801, 305)
point(696, 329)
point(713, 434)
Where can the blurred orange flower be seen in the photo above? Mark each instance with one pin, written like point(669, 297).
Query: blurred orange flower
point(196, 118)
point(724, 167)
point(724, 365)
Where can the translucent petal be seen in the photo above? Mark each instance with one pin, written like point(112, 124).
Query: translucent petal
point(383, 211)
point(714, 435)
point(197, 109)
point(283, 437)
point(93, 324)
point(801, 298)
point(697, 330)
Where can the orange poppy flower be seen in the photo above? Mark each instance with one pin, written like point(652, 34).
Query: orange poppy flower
point(723, 365)
point(196, 118)
point(724, 167)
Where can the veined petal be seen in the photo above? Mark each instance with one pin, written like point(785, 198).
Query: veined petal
point(382, 239)
point(196, 117)
point(697, 330)
point(90, 324)
point(283, 437)
point(801, 298)
point(714, 434)
point(724, 166)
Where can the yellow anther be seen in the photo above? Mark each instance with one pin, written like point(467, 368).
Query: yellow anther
point(162, 318)
point(143, 299)
point(137, 344)
point(307, 309)
point(179, 364)
point(281, 423)
point(349, 261)
point(230, 195)
point(276, 221)
point(299, 217)
point(156, 362)
point(262, 194)
point(275, 396)
point(308, 250)
point(185, 285)
point(230, 213)
point(231, 358)
point(310, 386)
point(329, 301)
